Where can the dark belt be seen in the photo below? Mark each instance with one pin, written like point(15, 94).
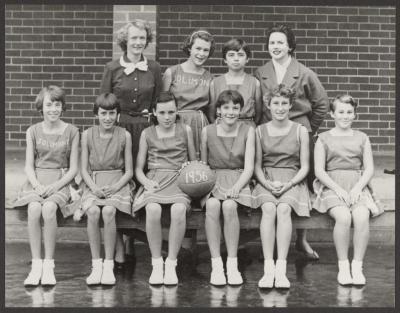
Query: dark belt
point(144, 114)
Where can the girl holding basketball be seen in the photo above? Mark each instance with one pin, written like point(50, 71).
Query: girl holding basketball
point(164, 147)
point(228, 148)
point(106, 169)
point(282, 164)
point(51, 164)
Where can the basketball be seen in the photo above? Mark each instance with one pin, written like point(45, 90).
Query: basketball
point(196, 179)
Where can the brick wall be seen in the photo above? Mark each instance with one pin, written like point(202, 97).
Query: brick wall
point(352, 49)
point(66, 45)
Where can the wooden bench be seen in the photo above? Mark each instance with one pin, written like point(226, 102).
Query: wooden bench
point(249, 224)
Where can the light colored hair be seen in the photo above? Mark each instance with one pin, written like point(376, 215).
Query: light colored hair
point(122, 33)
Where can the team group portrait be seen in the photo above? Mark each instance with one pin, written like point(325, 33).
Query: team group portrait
point(199, 156)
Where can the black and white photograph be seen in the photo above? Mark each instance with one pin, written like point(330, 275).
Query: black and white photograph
point(199, 156)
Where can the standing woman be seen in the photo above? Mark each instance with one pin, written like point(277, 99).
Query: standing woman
point(136, 82)
point(189, 82)
point(309, 106)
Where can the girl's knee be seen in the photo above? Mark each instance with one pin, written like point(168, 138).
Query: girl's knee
point(108, 213)
point(342, 216)
point(34, 210)
point(213, 204)
point(361, 215)
point(49, 211)
point(178, 212)
point(153, 211)
point(93, 213)
point(229, 209)
point(283, 211)
point(269, 210)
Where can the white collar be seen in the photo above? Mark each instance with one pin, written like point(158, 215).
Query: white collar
point(131, 67)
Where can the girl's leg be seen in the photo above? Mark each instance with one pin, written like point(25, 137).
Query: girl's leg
point(231, 235)
point(341, 238)
point(153, 229)
point(154, 237)
point(360, 241)
point(110, 232)
point(94, 235)
point(213, 226)
point(176, 230)
point(283, 236)
point(175, 237)
point(284, 230)
point(231, 227)
point(213, 233)
point(49, 213)
point(302, 245)
point(35, 242)
point(267, 234)
point(35, 229)
point(119, 248)
point(93, 229)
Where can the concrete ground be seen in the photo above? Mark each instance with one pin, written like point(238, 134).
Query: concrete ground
point(312, 284)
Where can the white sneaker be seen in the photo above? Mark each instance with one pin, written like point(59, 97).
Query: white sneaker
point(97, 270)
point(217, 272)
point(107, 277)
point(35, 274)
point(281, 281)
point(48, 278)
point(157, 274)
point(267, 281)
point(344, 276)
point(357, 273)
point(232, 272)
point(170, 277)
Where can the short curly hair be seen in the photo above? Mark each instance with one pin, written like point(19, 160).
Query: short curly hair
point(122, 33)
point(285, 29)
point(56, 94)
point(201, 34)
point(282, 91)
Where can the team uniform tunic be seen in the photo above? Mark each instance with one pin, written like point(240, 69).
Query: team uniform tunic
point(226, 156)
point(344, 164)
point(281, 162)
point(107, 164)
point(165, 157)
point(52, 155)
point(247, 89)
point(192, 95)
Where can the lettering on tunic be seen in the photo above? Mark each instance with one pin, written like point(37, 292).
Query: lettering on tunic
point(192, 81)
point(52, 144)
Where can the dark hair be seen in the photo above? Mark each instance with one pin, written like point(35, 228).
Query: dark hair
point(106, 101)
point(285, 29)
point(56, 94)
point(229, 95)
point(236, 44)
point(164, 96)
point(122, 33)
point(344, 98)
point(201, 34)
point(282, 91)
